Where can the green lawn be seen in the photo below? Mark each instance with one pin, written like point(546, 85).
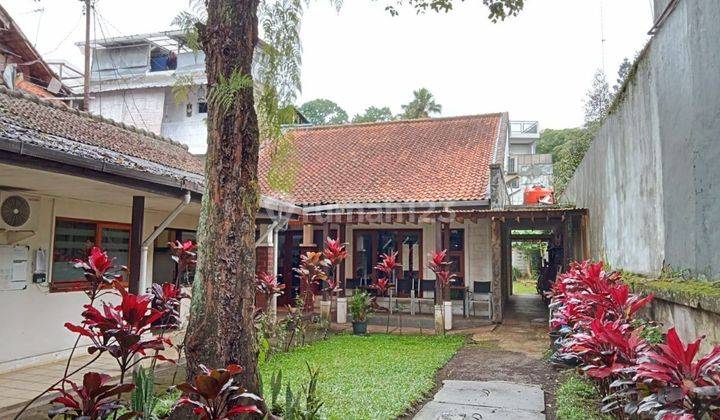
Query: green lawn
point(378, 376)
point(524, 287)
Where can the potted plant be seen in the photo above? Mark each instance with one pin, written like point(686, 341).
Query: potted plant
point(360, 306)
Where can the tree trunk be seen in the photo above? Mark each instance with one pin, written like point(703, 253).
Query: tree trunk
point(221, 329)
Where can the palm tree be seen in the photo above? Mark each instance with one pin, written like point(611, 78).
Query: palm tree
point(422, 105)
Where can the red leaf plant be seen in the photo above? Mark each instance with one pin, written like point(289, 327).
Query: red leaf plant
point(388, 264)
point(94, 400)
point(119, 329)
point(185, 255)
point(437, 261)
point(99, 270)
point(166, 298)
point(268, 284)
point(334, 251)
point(680, 385)
point(213, 396)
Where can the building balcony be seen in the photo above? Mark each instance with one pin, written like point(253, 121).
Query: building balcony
point(524, 130)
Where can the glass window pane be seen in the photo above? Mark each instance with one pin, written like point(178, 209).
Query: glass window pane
point(457, 239)
point(410, 254)
point(116, 242)
point(73, 240)
point(363, 250)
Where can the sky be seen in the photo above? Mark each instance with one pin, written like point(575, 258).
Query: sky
point(536, 66)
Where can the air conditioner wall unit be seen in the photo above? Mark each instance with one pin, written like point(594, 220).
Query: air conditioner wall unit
point(18, 212)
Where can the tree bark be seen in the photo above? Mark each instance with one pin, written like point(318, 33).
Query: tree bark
point(221, 330)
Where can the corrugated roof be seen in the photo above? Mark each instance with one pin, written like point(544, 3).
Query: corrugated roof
point(436, 159)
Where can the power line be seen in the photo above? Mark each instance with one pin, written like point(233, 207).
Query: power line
point(65, 38)
point(117, 74)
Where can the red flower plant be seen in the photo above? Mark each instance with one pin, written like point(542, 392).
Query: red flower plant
point(213, 393)
point(166, 298)
point(381, 285)
point(388, 264)
point(437, 261)
point(185, 255)
point(99, 270)
point(268, 285)
point(334, 251)
point(94, 400)
point(119, 329)
point(445, 277)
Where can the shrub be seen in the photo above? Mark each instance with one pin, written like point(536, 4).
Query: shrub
point(593, 313)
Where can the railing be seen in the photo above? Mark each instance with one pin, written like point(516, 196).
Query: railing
point(523, 127)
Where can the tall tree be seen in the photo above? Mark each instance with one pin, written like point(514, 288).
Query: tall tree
point(324, 112)
point(422, 105)
point(374, 114)
point(221, 327)
point(623, 72)
point(568, 147)
point(597, 100)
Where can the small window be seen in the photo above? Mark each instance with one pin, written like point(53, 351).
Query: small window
point(202, 107)
point(457, 239)
point(515, 183)
point(188, 110)
point(75, 238)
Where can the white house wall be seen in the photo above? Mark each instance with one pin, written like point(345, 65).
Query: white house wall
point(33, 330)
point(141, 108)
point(178, 126)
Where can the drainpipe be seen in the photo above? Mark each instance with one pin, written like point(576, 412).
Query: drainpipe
point(150, 239)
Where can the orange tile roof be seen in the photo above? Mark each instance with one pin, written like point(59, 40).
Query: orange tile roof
point(434, 159)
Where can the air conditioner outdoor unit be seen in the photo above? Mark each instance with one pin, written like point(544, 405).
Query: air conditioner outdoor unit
point(18, 212)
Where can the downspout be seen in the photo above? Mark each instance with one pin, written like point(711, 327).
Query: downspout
point(150, 239)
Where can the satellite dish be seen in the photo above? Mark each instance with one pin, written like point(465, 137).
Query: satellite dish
point(15, 211)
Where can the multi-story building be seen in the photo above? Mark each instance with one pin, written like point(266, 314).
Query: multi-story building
point(153, 82)
point(526, 168)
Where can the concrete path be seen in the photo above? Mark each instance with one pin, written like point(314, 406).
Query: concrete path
point(484, 400)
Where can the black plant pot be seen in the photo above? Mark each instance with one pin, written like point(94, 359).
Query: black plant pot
point(359, 328)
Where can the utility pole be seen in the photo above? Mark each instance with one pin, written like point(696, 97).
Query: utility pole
point(86, 83)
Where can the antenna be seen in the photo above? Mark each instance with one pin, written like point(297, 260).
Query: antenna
point(86, 83)
point(602, 37)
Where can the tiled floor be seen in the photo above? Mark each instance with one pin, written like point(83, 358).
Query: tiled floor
point(18, 387)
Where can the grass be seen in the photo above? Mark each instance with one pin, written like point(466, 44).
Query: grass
point(371, 377)
point(577, 399)
point(524, 287)
point(689, 287)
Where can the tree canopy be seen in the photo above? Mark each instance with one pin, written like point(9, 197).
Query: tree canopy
point(323, 112)
point(598, 99)
point(422, 105)
point(374, 114)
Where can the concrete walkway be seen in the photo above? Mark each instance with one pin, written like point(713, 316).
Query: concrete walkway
point(485, 400)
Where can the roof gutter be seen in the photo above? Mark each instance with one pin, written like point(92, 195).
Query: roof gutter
point(393, 205)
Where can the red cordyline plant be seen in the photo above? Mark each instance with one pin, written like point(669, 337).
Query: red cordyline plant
point(185, 255)
point(99, 270)
point(594, 312)
point(441, 268)
point(94, 400)
point(680, 385)
point(387, 265)
point(166, 298)
point(269, 286)
point(118, 330)
point(311, 271)
point(213, 395)
point(335, 253)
